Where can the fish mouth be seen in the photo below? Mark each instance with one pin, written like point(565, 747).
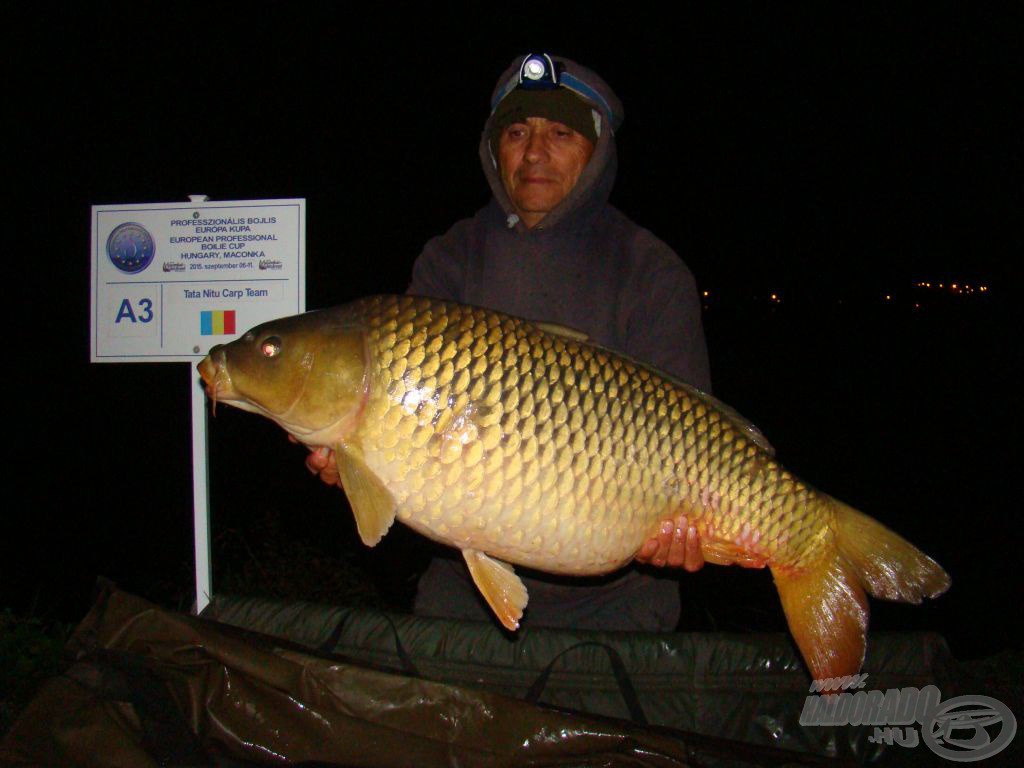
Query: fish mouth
point(213, 370)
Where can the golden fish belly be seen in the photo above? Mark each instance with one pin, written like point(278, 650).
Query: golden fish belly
point(548, 452)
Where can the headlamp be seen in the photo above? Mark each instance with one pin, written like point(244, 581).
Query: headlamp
point(540, 72)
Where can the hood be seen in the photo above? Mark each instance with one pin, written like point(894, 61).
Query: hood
point(594, 186)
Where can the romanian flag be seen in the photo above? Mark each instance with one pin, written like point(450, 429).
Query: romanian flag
point(218, 322)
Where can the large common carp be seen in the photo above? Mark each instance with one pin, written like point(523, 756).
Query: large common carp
point(518, 442)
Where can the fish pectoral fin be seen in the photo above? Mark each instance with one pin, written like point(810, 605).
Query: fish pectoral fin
point(372, 504)
point(498, 583)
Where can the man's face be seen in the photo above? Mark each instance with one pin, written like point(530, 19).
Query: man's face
point(540, 162)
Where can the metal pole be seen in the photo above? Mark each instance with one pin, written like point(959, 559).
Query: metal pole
point(200, 495)
point(200, 484)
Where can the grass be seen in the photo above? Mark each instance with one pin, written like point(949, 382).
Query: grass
point(31, 651)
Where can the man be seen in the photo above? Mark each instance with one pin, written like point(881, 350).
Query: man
point(549, 247)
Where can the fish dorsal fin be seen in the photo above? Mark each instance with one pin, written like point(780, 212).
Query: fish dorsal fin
point(562, 330)
point(372, 504)
point(498, 583)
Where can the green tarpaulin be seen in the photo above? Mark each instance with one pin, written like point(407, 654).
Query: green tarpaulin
point(257, 681)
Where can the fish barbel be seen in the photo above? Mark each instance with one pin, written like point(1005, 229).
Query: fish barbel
point(518, 442)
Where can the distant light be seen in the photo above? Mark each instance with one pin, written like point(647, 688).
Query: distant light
point(888, 297)
point(775, 297)
point(957, 288)
point(705, 294)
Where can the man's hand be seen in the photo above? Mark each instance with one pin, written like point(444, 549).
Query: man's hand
point(320, 461)
point(677, 544)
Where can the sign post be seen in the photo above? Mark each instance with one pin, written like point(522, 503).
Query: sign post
point(170, 280)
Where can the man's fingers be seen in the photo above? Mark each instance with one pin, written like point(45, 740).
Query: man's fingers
point(655, 550)
point(677, 544)
point(330, 475)
point(674, 556)
point(693, 560)
point(664, 540)
point(318, 459)
point(647, 551)
point(320, 462)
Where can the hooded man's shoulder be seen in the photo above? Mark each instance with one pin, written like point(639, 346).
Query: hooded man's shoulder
point(637, 245)
point(441, 268)
point(465, 232)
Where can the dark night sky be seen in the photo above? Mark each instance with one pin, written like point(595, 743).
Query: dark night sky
point(821, 155)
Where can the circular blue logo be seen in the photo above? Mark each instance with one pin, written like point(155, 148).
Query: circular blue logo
point(130, 247)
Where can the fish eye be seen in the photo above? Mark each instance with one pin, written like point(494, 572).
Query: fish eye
point(271, 346)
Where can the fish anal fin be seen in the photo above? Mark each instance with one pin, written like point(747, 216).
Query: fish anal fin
point(372, 504)
point(499, 585)
point(729, 553)
point(827, 613)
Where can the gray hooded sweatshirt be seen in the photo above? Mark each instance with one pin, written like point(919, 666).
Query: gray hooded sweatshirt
point(585, 265)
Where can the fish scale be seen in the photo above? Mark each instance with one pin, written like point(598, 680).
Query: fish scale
point(504, 413)
point(518, 442)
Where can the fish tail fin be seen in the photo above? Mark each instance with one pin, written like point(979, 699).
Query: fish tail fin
point(825, 602)
point(889, 566)
point(827, 613)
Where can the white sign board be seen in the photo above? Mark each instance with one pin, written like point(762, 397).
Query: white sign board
point(170, 280)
